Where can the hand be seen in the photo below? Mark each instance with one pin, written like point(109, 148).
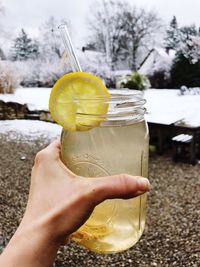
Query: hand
point(60, 202)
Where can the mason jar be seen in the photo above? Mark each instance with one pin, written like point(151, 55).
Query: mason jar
point(119, 144)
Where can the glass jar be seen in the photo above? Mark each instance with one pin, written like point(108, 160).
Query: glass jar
point(119, 144)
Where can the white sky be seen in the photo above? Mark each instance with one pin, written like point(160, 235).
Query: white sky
point(29, 14)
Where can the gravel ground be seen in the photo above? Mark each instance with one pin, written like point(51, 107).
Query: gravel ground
point(172, 235)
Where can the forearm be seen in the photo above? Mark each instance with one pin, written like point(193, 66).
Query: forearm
point(29, 247)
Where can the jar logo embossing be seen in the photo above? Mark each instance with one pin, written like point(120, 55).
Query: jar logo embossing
point(89, 166)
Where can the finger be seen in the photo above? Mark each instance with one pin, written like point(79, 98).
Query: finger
point(51, 152)
point(54, 145)
point(54, 148)
point(119, 186)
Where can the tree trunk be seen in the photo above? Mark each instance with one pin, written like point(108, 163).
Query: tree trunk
point(133, 63)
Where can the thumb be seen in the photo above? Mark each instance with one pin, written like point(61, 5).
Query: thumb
point(119, 186)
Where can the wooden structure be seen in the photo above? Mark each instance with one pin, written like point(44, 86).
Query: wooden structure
point(184, 148)
point(165, 135)
point(160, 136)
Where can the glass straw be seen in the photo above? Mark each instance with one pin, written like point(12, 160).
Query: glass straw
point(69, 48)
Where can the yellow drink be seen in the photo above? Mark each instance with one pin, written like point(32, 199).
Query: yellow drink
point(106, 135)
point(114, 148)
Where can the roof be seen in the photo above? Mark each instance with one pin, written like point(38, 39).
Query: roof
point(158, 59)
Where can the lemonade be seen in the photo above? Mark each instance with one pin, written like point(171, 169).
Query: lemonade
point(104, 134)
point(115, 225)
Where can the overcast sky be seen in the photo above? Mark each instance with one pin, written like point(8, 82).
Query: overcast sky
point(29, 14)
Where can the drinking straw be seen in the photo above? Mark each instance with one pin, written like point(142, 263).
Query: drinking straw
point(69, 48)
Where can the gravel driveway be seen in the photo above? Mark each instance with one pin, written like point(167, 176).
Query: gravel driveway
point(172, 235)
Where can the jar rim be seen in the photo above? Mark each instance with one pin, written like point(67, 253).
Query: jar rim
point(124, 106)
point(115, 94)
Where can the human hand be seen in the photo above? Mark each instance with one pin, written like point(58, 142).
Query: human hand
point(60, 202)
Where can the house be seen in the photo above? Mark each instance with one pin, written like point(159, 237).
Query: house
point(156, 66)
point(157, 60)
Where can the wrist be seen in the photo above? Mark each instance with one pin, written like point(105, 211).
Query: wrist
point(31, 245)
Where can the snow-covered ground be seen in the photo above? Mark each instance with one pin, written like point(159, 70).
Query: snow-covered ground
point(163, 106)
point(29, 130)
point(36, 98)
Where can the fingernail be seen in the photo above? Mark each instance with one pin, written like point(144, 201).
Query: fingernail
point(144, 183)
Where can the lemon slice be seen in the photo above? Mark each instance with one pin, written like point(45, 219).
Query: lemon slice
point(79, 101)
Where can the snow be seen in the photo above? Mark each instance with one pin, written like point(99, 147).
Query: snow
point(158, 60)
point(191, 49)
point(36, 98)
point(167, 106)
point(94, 62)
point(163, 106)
point(30, 130)
point(122, 73)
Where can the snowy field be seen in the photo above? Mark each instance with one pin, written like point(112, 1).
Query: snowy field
point(167, 106)
point(163, 106)
point(36, 98)
point(30, 130)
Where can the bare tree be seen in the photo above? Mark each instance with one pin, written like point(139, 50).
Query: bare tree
point(50, 40)
point(2, 10)
point(3, 33)
point(121, 30)
point(105, 25)
point(140, 28)
point(2, 13)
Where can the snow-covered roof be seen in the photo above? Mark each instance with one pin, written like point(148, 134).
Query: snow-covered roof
point(158, 60)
